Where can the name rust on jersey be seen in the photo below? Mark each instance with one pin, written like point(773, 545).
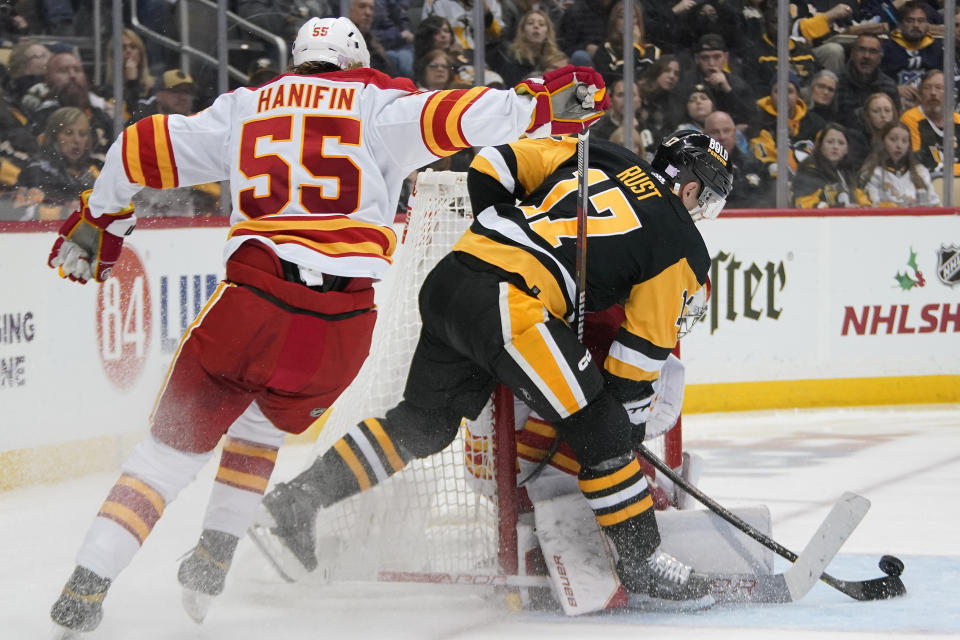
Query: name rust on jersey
point(305, 95)
point(637, 180)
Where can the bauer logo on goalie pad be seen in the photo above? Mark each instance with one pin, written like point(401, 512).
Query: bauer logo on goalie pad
point(948, 265)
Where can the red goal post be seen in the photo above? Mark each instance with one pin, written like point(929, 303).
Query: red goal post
point(454, 513)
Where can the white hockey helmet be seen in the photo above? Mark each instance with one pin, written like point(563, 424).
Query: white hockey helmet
point(334, 40)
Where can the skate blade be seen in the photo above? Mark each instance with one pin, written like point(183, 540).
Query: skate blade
point(277, 554)
point(62, 633)
point(643, 602)
point(196, 604)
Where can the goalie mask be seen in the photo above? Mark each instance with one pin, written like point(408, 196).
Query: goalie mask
point(694, 308)
point(689, 155)
point(334, 40)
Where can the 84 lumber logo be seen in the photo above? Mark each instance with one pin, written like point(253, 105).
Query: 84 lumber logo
point(948, 265)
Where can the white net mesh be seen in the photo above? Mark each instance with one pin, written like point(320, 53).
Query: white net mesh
point(427, 517)
point(439, 514)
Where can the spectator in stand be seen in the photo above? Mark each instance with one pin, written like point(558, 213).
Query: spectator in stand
point(925, 122)
point(391, 26)
point(911, 51)
point(50, 185)
point(752, 186)
point(877, 110)
point(760, 61)
point(583, 29)
point(12, 24)
point(862, 77)
point(27, 67)
point(730, 92)
point(892, 176)
point(719, 17)
point(65, 85)
point(435, 32)
point(612, 120)
point(752, 23)
point(57, 16)
point(137, 81)
point(802, 127)
point(261, 71)
point(636, 140)
point(818, 21)
point(658, 89)
point(608, 59)
point(699, 105)
point(459, 13)
point(174, 92)
point(434, 71)
point(820, 95)
point(284, 17)
point(826, 179)
point(513, 10)
point(17, 144)
point(533, 50)
point(361, 14)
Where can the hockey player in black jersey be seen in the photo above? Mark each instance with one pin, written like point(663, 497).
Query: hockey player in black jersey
point(498, 308)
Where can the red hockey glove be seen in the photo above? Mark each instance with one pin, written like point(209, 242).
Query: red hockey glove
point(569, 100)
point(85, 249)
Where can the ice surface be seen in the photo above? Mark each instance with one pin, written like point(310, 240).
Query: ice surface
point(906, 460)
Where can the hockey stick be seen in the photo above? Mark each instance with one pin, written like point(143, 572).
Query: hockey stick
point(580, 268)
point(890, 586)
point(726, 588)
point(583, 205)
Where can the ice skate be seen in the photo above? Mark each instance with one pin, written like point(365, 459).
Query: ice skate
point(665, 583)
point(79, 608)
point(285, 531)
point(203, 572)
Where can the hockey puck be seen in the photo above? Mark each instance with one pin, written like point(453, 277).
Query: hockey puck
point(891, 565)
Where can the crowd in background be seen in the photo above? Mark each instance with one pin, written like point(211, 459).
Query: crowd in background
point(865, 94)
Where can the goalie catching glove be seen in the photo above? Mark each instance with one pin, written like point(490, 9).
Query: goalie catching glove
point(89, 246)
point(657, 413)
point(568, 100)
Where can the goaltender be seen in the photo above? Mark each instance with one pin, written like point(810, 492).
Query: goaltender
point(499, 307)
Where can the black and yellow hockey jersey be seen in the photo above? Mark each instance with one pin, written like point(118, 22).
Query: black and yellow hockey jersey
point(643, 249)
point(926, 139)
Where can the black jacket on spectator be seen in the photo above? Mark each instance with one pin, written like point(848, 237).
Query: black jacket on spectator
point(738, 102)
point(752, 186)
point(608, 60)
point(17, 144)
point(389, 19)
point(760, 63)
point(853, 91)
point(583, 23)
point(60, 183)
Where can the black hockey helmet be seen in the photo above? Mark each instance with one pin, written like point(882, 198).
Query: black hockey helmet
point(688, 155)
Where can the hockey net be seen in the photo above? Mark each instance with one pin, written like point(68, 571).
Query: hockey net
point(453, 513)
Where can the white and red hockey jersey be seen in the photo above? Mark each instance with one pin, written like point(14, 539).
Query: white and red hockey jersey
point(315, 163)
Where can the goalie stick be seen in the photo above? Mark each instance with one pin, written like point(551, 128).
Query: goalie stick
point(889, 586)
point(726, 588)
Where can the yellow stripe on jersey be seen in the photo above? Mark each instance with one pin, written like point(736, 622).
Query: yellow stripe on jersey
point(132, 155)
point(385, 443)
point(143, 489)
point(515, 260)
point(168, 177)
point(630, 372)
point(537, 354)
point(538, 158)
point(483, 165)
point(453, 119)
point(655, 305)
point(363, 480)
point(626, 513)
point(243, 449)
point(593, 485)
point(249, 480)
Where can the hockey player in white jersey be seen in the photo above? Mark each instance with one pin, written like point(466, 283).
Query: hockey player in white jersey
point(315, 160)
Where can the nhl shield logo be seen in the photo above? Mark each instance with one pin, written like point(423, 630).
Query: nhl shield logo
point(948, 265)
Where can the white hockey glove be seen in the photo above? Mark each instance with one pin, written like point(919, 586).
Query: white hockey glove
point(656, 414)
point(87, 247)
